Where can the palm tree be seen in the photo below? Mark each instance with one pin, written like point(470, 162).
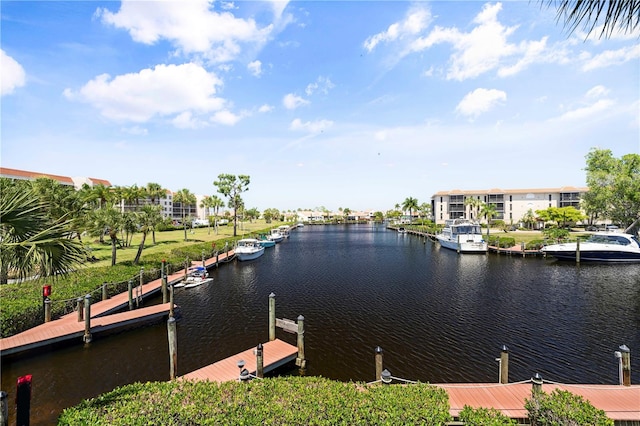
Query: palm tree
point(185, 198)
point(488, 211)
point(110, 220)
point(475, 204)
point(410, 204)
point(154, 191)
point(346, 212)
point(31, 243)
point(614, 15)
point(148, 218)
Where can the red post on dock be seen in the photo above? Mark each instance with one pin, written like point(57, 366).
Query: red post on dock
point(23, 400)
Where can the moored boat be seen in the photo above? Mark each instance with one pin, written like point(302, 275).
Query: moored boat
point(248, 249)
point(275, 235)
point(266, 243)
point(462, 235)
point(196, 276)
point(606, 246)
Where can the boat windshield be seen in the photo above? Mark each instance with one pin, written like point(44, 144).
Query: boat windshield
point(609, 239)
point(467, 229)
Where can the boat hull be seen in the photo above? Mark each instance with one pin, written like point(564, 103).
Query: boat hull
point(244, 256)
point(592, 253)
point(464, 247)
point(267, 243)
point(196, 283)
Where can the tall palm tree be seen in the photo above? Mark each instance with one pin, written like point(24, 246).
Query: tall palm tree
point(475, 203)
point(410, 204)
point(154, 191)
point(110, 220)
point(614, 15)
point(488, 211)
point(148, 217)
point(185, 198)
point(31, 243)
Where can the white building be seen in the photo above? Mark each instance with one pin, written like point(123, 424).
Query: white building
point(511, 204)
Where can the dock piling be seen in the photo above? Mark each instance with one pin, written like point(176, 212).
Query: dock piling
point(164, 280)
point(379, 359)
point(4, 409)
point(131, 295)
point(80, 308)
point(504, 365)
point(171, 306)
point(23, 400)
point(536, 384)
point(300, 361)
point(272, 317)
point(173, 347)
point(259, 361)
point(578, 250)
point(105, 294)
point(625, 365)
point(87, 319)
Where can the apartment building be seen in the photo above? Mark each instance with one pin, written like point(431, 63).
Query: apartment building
point(511, 204)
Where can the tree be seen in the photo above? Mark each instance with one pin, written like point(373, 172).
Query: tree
point(148, 217)
point(614, 187)
point(425, 210)
point(488, 211)
point(232, 186)
point(110, 220)
point(346, 212)
point(31, 243)
point(560, 215)
point(185, 198)
point(154, 191)
point(410, 204)
point(613, 15)
point(529, 219)
point(475, 203)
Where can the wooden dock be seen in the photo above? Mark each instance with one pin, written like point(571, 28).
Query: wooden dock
point(620, 403)
point(104, 317)
point(275, 354)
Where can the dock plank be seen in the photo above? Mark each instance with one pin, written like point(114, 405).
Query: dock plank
point(620, 403)
point(275, 353)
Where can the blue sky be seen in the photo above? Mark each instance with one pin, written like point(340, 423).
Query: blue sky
point(355, 104)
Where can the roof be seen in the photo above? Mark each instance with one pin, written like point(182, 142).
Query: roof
point(28, 175)
point(512, 191)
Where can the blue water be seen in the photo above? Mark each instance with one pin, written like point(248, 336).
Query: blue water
point(438, 316)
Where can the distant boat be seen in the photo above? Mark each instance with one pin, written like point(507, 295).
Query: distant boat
point(613, 247)
point(402, 230)
point(462, 235)
point(275, 235)
point(248, 249)
point(284, 230)
point(196, 276)
point(266, 243)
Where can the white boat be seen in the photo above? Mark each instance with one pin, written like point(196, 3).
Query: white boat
point(402, 230)
point(284, 230)
point(196, 276)
point(248, 249)
point(613, 247)
point(275, 235)
point(462, 235)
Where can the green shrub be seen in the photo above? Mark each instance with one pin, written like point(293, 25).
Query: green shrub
point(564, 408)
point(484, 417)
point(506, 242)
point(272, 401)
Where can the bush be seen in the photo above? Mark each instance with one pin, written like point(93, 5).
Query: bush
point(564, 408)
point(484, 417)
point(271, 401)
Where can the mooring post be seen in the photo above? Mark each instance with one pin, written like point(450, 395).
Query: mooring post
point(105, 295)
point(186, 267)
point(130, 295)
point(203, 265)
point(4, 409)
point(173, 347)
point(300, 361)
point(171, 302)
point(217, 257)
point(23, 400)
point(272, 317)
point(47, 310)
point(379, 363)
point(522, 248)
point(626, 365)
point(80, 308)
point(164, 281)
point(504, 365)
point(259, 361)
point(578, 250)
point(536, 384)
point(139, 292)
point(87, 319)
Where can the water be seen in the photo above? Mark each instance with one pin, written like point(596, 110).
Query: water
point(438, 316)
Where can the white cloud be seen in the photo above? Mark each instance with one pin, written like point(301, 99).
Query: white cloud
point(597, 92)
point(226, 117)
point(611, 58)
point(136, 130)
point(291, 101)
point(480, 101)
point(416, 20)
point(583, 113)
point(265, 108)
point(311, 126)
point(322, 85)
point(193, 27)
point(13, 75)
point(165, 90)
point(186, 120)
point(255, 68)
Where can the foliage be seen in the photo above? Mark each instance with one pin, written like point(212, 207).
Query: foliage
point(271, 401)
point(232, 186)
point(410, 204)
point(562, 216)
point(557, 234)
point(614, 187)
point(501, 242)
point(484, 417)
point(564, 408)
point(614, 16)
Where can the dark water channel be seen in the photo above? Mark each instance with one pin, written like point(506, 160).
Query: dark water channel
point(438, 316)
